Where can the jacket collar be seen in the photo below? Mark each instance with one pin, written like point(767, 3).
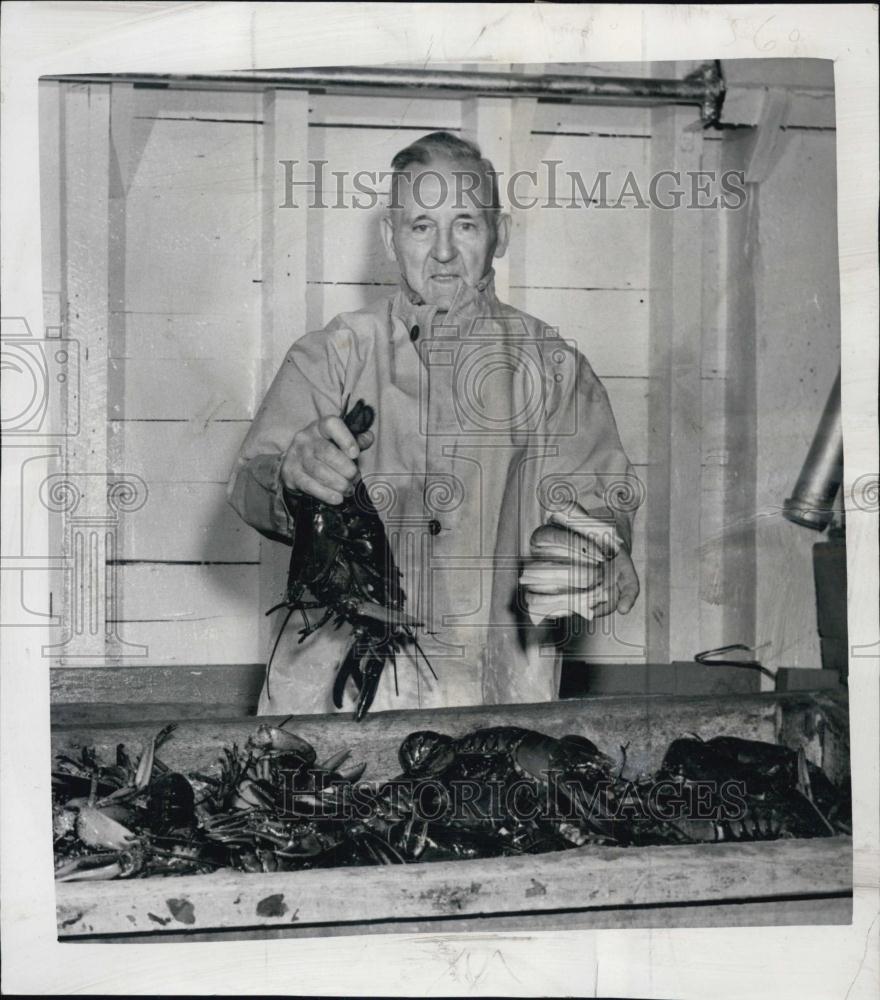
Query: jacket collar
point(468, 303)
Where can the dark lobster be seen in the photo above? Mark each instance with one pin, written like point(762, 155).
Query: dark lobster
point(781, 793)
point(341, 564)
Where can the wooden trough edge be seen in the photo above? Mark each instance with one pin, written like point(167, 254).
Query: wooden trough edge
point(817, 720)
point(581, 879)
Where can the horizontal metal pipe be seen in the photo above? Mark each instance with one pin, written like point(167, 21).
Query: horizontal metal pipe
point(704, 87)
point(822, 473)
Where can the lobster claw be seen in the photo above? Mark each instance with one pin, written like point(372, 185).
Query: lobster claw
point(372, 674)
point(359, 418)
point(388, 616)
point(350, 667)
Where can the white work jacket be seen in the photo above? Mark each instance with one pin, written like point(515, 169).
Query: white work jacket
point(484, 425)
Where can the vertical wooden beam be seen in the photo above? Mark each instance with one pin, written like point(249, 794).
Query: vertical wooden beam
point(129, 133)
point(524, 155)
point(487, 122)
point(284, 249)
point(123, 161)
point(80, 492)
point(714, 456)
point(502, 127)
point(51, 96)
point(128, 136)
point(50, 209)
point(675, 406)
point(86, 153)
point(285, 137)
point(727, 551)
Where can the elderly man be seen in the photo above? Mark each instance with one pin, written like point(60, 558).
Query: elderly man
point(488, 425)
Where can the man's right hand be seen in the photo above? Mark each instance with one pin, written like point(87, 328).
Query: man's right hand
point(321, 460)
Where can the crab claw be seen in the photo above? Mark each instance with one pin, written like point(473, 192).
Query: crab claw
point(334, 760)
point(250, 795)
point(97, 829)
point(100, 867)
point(353, 774)
point(97, 869)
point(273, 738)
point(148, 761)
point(145, 766)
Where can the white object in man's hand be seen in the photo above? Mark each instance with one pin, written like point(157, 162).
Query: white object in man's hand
point(579, 566)
point(321, 459)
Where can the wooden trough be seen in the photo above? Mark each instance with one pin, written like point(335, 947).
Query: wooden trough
point(784, 881)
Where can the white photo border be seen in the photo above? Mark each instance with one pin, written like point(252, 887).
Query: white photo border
point(806, 962)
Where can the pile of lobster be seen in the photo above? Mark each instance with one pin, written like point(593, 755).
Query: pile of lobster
point(273, 806)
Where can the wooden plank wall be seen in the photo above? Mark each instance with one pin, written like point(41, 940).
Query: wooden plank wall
point(188, 357)
point(185, 303)
point(191, 348)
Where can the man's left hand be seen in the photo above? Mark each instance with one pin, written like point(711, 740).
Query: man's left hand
point(581, 567)
point(619, 588)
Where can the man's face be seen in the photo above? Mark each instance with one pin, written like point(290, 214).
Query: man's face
point(438, 233)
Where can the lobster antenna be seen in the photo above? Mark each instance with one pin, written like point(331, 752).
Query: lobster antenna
point(425, 658)
point(274, 648)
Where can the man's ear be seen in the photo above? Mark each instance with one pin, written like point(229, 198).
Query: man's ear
point(502, 234)
point(388, 236)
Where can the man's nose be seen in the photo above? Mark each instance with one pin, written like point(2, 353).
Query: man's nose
point(443, 249)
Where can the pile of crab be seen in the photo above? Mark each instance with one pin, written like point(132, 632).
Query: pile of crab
point(273, 806)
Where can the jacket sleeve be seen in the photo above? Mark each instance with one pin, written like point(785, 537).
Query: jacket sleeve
point(308, 385)
point(588, 463)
